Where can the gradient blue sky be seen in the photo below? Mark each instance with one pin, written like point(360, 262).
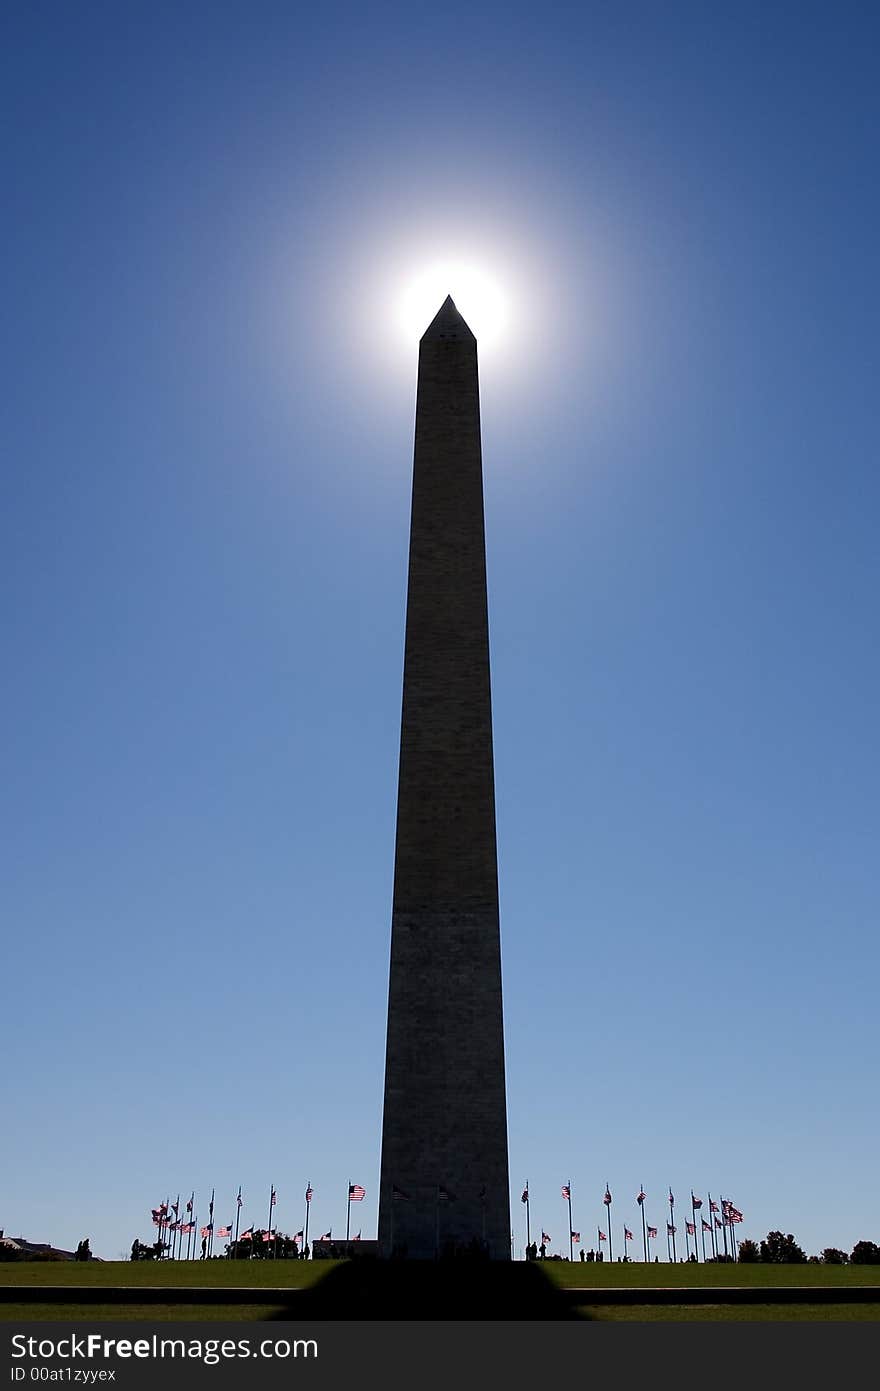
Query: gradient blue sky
point(207, 452)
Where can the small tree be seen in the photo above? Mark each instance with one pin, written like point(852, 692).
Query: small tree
point(833, 1256)
point(865, 1253)
point(782, 1250)
point(748, 1251)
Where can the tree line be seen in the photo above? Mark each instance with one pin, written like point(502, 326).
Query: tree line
point(784, 1250)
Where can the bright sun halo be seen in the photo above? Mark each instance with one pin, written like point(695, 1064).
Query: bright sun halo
point(477, 297)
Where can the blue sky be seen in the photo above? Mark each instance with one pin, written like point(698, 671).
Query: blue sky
point(207, 451)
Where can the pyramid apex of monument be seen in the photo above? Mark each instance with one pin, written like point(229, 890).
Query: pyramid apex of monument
point(447, 323)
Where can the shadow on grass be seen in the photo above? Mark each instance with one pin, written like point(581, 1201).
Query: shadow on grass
point(372, 1289)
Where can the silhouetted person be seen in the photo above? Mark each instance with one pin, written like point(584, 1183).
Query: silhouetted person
point(583, 1254)
point(204, 1247)
point(543, 1250)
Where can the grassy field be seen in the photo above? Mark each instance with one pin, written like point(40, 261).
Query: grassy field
point(264, 1275)
point(173, 1274)
point(610, 1275)
point(154, 1313)
point(731, 1313)
point(259, 1275)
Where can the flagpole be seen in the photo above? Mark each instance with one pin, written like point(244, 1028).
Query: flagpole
point(610, 1243)
point(703, 1237)
point(190, 1219)
point(647, 1245)
point(528, 1219)
point(237, 1218)
point(712, 1221)
point(211, 1226)
point(308, 1205)
point(644, 1223)
point(570, 1237)
point(723, 1225)
point(269, 1223)
point(348, 1213)
point(672, 1223)
point(694, 1215)
point(599, 1242)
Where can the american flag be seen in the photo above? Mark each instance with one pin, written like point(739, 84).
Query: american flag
point(309, 1194)
point(189, 1206)
point(713, 1207)
point(692, 1231)
point(642, 1195)
point(718, 1222)
point(355, 1192)
point(299, 1236)
point(356, 1238)
point(525, 1194)
point(670, 1230)
point(205, 1231)
point(696, 1202)
point(325, 1237)
point(545, 1238)
point(707, 1226)
point(576, 1236)
point(224, 1231)
point(238, 1199)
point(734, 1214)
point(627, 1234)
point(602, 1236)
point(652, 1232)
point(175, 1206)
point(671, 1199)
point(566, 1191)
point(607, 1199)
point(246, 1236)
point(188, 1227)
point(273, 1199)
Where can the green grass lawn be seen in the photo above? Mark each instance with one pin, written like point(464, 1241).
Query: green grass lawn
point(635, 1275)
point(174, 1274)
point(733, 1313)
point(294, 1274)
point(263, 1275)
point(153, 1313)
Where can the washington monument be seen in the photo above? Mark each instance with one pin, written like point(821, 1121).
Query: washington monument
point(444, 1182)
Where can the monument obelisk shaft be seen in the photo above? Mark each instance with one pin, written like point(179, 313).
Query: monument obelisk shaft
point(444, 1180)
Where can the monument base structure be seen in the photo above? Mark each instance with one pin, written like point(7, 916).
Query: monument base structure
point(444, 1186)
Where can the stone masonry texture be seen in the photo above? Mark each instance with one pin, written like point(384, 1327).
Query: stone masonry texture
point(445, 1116)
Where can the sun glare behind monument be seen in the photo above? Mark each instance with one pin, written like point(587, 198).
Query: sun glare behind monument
point(476, 292)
